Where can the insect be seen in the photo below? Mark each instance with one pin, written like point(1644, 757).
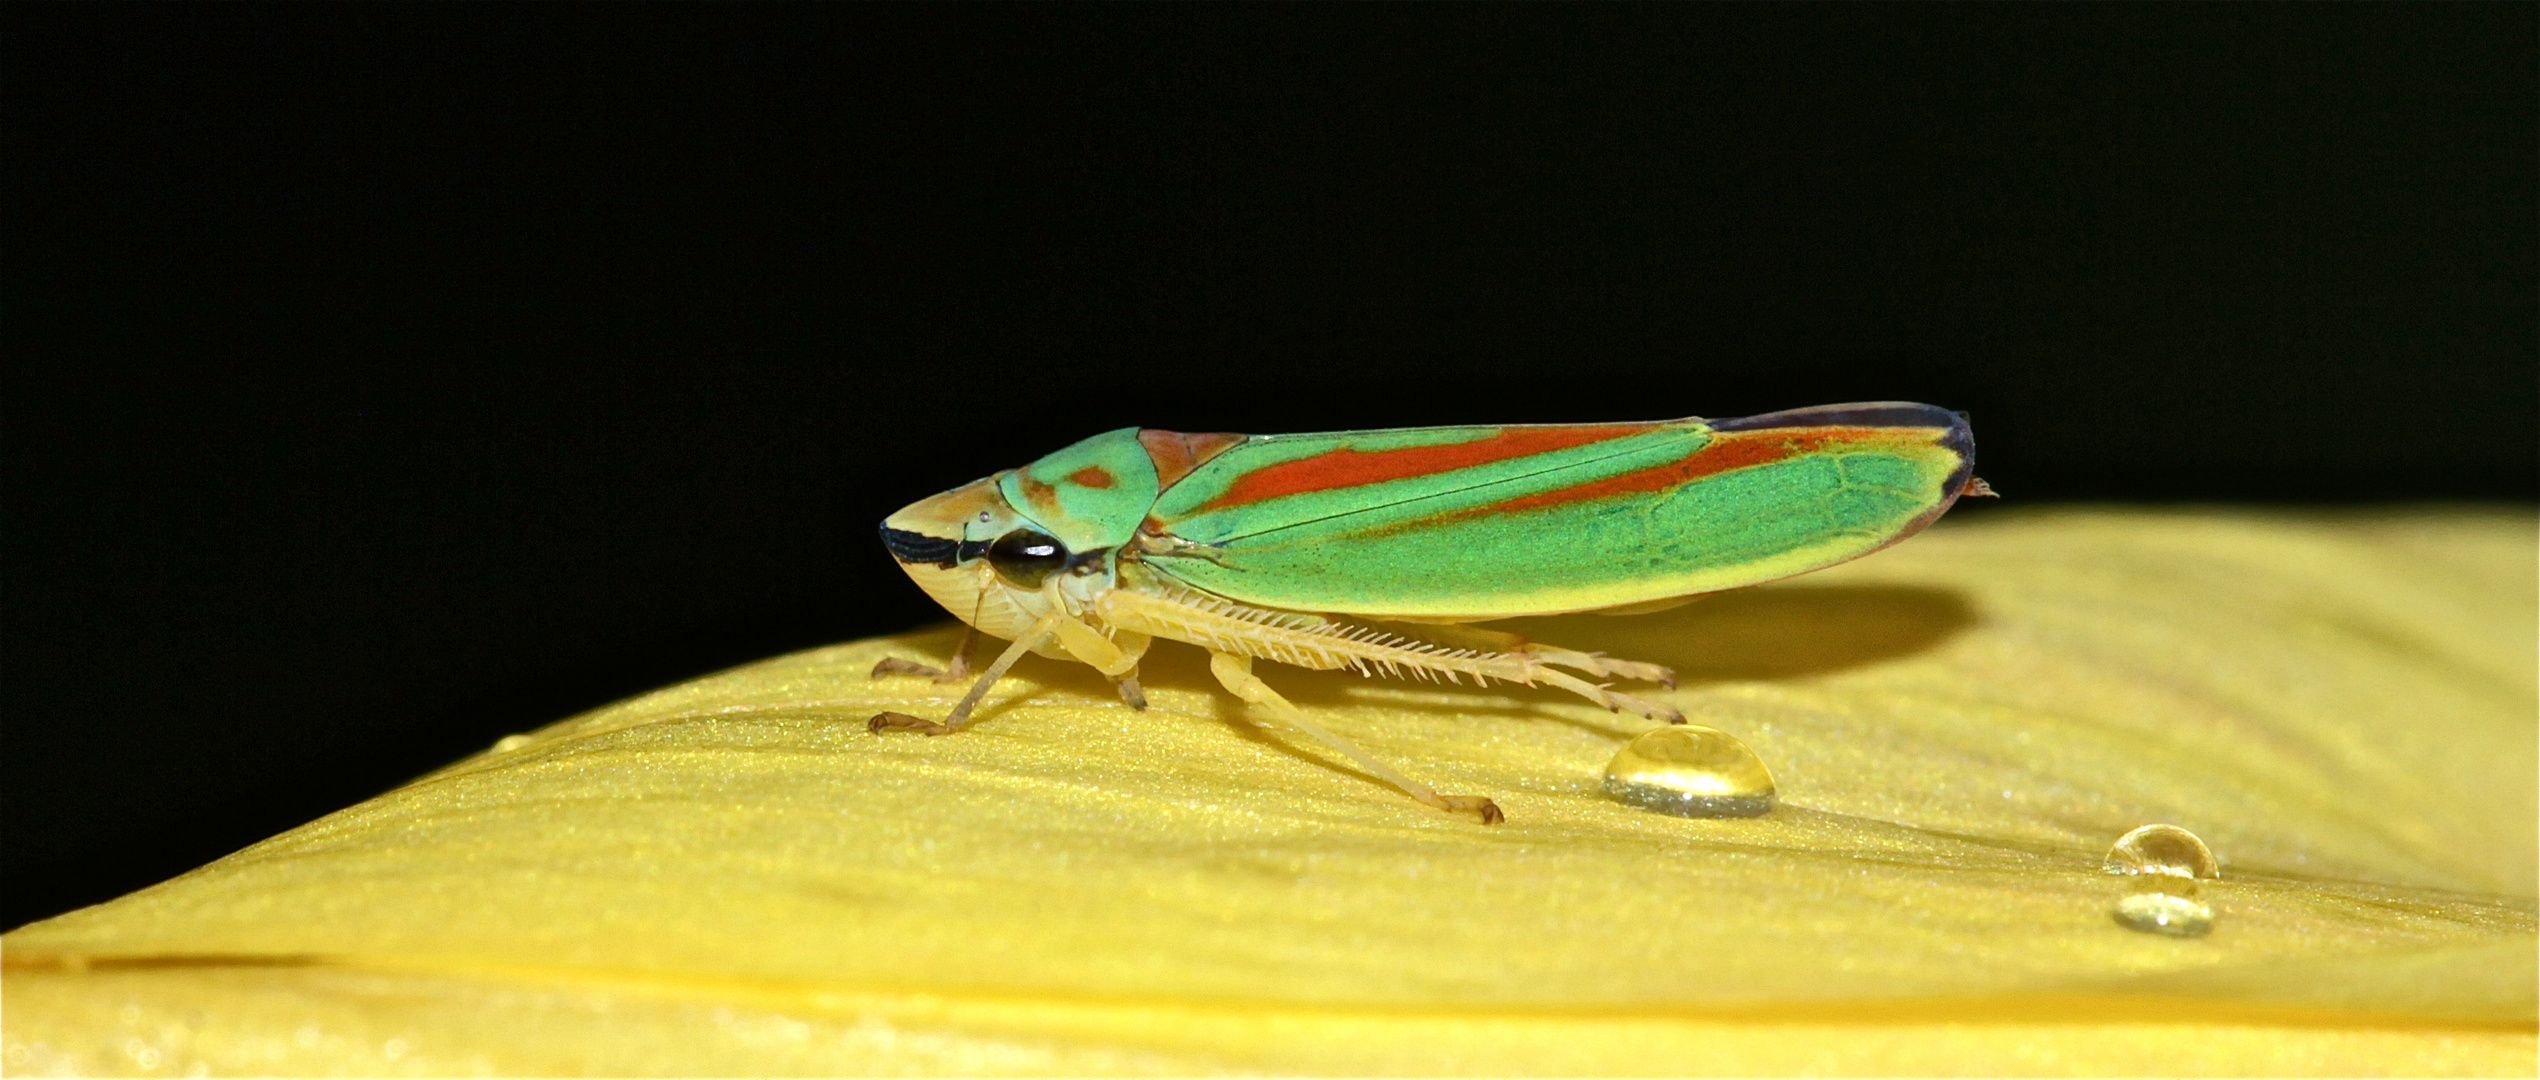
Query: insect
point(1368, 550)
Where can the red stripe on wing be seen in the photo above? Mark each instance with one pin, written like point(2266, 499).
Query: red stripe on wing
point(1727, 451)
point(1346, 467)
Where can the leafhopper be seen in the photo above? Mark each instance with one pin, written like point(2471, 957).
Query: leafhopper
point(1369, 550)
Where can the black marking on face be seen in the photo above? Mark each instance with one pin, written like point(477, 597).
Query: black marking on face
point(914, 547)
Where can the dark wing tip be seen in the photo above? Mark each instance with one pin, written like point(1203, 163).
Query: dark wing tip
point(1856, 414)
point(1956, 434)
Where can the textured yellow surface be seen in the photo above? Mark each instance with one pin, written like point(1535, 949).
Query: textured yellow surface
point(732, 877)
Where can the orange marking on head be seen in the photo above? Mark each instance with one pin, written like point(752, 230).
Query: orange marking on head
point(1092, 476)
point(1042, 497)
point(1348, 467)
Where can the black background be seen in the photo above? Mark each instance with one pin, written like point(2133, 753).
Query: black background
point(385, 380)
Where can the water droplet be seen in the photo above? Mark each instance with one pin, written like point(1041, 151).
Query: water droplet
point(2165, 913)
point(1690, 771)
point(2162, 849)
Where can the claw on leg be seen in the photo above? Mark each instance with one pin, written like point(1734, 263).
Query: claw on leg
point(1476, 805)
point(900, 721)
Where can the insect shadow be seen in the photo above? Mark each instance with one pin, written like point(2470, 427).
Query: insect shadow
point(1771, 632)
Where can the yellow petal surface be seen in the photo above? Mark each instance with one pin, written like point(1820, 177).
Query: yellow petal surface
point(733, 877)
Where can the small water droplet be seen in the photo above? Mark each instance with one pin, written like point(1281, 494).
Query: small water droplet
point(2165, 913)
point(509, 743)
point(1690, 771)
point(2162, 849)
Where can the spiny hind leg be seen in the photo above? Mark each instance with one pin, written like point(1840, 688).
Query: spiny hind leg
point(1500, 641)
point(1533, 662)
point(1235, 672)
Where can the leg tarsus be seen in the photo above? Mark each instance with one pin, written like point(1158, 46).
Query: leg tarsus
point(1612, 701)
point(953, 671)
point(900, 721)
point(1131, 692)
point(1602, 665)
point(1476, 805)
point(892, 665)
point(1653, 710)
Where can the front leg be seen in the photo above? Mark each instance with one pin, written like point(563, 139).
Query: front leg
point(952, 672)
point(1030, 639)
point(1081, 641)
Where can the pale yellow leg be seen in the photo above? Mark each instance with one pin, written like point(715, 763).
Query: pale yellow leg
point(1115, 656)
point(1135, 644)
point(1235, 672)
point(954, 671)
point(1087, 644)
point(1598, 664)
point(1031, 637)
point(1613, 702)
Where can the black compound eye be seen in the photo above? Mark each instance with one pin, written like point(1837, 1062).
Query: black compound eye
point(1024, 557)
